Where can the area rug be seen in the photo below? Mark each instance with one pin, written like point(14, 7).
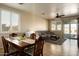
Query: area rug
point(58, 42)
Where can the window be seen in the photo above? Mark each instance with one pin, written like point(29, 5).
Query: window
point(53, 26)
point(5, 20)
point(66, 28)
point(9, 21)
point(56, 25)
point(73, 28)
point(15, 21)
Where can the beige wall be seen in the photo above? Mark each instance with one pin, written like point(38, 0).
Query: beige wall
point(32, 22)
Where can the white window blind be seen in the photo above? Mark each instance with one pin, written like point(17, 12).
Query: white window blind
point(5, 20)
point(9, 21)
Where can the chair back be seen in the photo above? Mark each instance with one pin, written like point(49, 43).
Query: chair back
point(5, 45)
point(13, 35)
point(33, 36)
point(38, 48)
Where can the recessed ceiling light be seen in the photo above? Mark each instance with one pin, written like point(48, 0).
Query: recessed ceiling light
point(43, 13)
point(21, 3)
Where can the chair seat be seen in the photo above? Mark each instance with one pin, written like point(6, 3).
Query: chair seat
point(12, 53)
point(29, 50)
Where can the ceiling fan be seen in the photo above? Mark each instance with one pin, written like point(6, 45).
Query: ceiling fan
point(58, 15)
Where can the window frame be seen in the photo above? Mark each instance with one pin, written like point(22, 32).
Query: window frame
point(19, 21)
point(56, 25)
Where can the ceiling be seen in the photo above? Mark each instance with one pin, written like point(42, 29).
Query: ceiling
point(48, 10)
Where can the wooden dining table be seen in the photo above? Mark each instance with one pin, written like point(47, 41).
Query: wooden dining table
point(19, 44)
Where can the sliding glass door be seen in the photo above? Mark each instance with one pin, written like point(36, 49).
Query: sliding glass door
point(66, 30)
point(70, 29)
point(73, 31)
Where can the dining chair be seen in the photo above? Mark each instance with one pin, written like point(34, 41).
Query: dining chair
point(38, 48)
point(30, 48)
point(13, 34)
point(33, 36)
point(6, 47)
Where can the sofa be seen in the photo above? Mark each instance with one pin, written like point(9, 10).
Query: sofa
point(48, 35)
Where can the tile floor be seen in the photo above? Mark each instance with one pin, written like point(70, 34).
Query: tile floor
point(68, 48)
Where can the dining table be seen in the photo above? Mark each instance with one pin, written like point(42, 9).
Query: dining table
point(20, 44)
